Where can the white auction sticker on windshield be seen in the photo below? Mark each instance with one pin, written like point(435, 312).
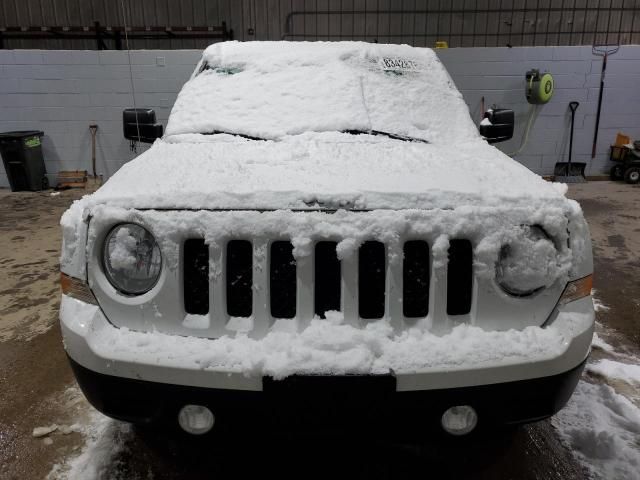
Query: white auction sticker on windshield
point(399, 64)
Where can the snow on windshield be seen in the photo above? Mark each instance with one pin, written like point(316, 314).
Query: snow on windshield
point(273, 89)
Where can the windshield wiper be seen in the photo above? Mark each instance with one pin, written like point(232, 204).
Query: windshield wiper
point(395, 136)
point(222, 132)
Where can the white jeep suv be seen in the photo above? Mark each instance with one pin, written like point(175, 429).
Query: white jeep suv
point(323, 235)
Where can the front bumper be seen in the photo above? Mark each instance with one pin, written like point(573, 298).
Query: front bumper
point(142, 377)
point(480, 358)
point(358, 403)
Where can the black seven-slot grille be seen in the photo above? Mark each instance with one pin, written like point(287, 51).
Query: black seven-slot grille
point(327, 279)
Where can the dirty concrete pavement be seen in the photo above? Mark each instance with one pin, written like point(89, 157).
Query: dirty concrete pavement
point(613, 212)
point(34, 375)
point(37, 387)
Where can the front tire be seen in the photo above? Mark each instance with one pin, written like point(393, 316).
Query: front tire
point(632, 175)
point(616, 172)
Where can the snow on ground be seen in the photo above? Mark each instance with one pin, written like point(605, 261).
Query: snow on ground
point(629, 373)
point(597, 303)
point(598, 342)
point(601, 422)
point(105, 438)
point(602, 428)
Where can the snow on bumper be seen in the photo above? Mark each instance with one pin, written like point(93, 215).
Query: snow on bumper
point(420, 360)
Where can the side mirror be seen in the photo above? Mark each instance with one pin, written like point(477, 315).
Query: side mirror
point(497, 125)
point(139, 125)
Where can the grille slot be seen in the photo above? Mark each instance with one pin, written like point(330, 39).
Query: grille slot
point(327, 280)
point(278, 278)
point(239, 278)
point(415, 279)
point(196, 277)
point(459, 277)
point(371, 280)
point(282, 280)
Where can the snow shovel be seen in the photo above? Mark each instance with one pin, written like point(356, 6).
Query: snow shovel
point(568, 172)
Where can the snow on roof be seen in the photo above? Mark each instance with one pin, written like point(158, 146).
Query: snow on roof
point(272, 89)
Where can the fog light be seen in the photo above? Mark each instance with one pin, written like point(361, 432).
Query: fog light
point(196, 419)
point(459, 420)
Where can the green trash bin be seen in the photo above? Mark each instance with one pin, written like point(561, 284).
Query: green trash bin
point(21, 153)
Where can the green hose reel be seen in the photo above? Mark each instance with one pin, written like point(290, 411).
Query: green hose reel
point(539, 87)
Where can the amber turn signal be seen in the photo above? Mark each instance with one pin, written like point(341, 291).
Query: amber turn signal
point(577, 289)
point(77, 289)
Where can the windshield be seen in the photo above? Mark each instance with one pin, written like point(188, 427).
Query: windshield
point(268, 90)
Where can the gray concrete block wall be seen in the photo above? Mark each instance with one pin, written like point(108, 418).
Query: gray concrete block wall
point(497, 74)
point(62, 92)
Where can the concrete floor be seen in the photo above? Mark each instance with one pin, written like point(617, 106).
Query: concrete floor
point(37, 387)
point(34, 374)
point(613, 212)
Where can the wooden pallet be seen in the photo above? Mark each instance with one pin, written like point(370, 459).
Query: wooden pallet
point(72, 179)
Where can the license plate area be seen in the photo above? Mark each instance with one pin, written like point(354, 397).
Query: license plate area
point(328, 402)
point(315, 386)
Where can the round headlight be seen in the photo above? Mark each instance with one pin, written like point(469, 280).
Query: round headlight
point(132, 259)
point(528, 263)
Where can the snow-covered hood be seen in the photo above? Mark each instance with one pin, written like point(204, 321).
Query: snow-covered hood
point(320, 170)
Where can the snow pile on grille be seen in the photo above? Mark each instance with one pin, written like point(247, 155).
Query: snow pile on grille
point(328, 346)
point(489, 229)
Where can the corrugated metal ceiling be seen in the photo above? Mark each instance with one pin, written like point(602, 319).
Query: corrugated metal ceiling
point(418, 22)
